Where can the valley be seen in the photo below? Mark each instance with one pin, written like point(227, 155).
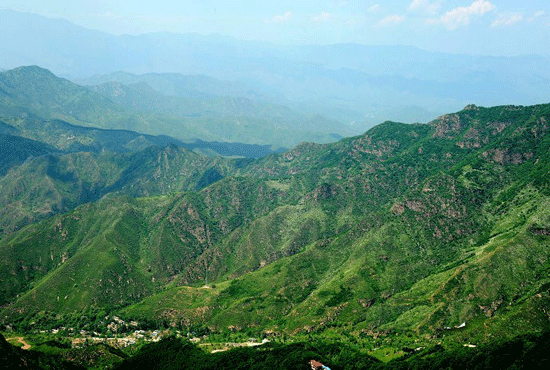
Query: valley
point(386, 244)
point(328, 185)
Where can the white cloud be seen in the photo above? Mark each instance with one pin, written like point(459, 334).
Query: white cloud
point(425, 6)
point(390, 20)
point(375, 8)
point(538, 14)
point(417, 4)
point(508, 19)
point(461, 16)
point(323, 17)
point(282, 18)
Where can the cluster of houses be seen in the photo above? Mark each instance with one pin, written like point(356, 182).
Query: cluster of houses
point(125, 341)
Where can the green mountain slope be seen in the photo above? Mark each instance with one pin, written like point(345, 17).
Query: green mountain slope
point(389, 252)
point(37, 90)
point(85, 165)
point(15, 150)
point(67, 137)
point(408, 228)
point(56, 183)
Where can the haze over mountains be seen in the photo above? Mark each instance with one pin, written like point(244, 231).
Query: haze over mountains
point(349, 83)
point(200, 113)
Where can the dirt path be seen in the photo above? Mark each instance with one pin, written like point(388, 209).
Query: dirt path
point(22, 341)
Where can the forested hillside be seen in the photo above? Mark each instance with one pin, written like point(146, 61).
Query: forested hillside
point(413, 228)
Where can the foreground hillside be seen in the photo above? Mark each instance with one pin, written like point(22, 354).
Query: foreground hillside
point(428, 229)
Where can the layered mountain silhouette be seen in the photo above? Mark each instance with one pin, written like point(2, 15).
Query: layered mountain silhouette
point(36, 91)
point(356, 85)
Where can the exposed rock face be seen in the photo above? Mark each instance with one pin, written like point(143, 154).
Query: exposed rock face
point(447, 126)
point(505, 156)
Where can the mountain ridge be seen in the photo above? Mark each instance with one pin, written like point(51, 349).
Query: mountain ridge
point(36, 91)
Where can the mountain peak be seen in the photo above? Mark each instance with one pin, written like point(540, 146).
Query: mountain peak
point(471, 107)
point(32, 69)
point(33, 73)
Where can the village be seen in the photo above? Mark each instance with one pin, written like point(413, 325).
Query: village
point(122, 334)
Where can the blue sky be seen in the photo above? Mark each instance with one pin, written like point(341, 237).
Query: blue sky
point(494, 27)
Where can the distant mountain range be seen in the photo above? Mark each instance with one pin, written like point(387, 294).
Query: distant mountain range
point(354, 84)
point(198, 113)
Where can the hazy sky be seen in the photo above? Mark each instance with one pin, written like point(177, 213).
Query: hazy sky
point(498, 27)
